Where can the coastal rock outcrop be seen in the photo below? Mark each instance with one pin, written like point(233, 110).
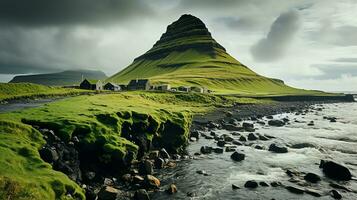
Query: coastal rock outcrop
point(335, 171)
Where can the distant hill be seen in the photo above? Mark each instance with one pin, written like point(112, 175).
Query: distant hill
point(187, 55)
point(62, 78)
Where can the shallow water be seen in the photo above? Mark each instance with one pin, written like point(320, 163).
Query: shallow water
point(19, 105)
point(336, 141)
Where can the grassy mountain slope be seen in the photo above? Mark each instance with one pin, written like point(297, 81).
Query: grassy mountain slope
point(61, 78)
point(187, 55)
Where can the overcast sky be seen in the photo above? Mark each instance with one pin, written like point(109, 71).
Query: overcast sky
point(307, 43)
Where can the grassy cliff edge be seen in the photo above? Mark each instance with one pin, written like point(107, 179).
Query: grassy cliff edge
point(109, 127)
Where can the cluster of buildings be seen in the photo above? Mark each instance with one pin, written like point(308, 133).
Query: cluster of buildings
point(137, 84)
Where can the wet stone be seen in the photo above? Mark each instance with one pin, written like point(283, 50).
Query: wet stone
point(251, 184)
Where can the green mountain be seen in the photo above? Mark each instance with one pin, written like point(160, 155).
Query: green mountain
point(62, 78)
point(187, 55)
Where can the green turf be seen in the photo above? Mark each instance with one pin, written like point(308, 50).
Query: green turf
point(10, 91)
point(98, 119)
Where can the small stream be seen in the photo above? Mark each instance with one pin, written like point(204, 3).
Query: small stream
point(23, 104)
point(336, 141)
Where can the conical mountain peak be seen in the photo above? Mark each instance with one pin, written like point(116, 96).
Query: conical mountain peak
point(188, 32)
point(187, 55)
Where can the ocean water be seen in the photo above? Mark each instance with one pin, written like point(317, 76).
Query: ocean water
point(335, 141)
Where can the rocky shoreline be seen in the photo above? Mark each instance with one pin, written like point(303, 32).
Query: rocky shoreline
point(137, 179)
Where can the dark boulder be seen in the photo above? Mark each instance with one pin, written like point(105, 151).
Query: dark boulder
point(275, 122)
point(263, 137)
point(311, 177)
point(278, 148)
point(251, 184)
point(221, 143)
point(252, 136)
point(335, 194)
point(141, 194)
point(335, 171)
point(228, 139)
point(146, 167)
point(218, 150)
point(49, 154)
point(295, 189)
point(108, 193)
point(164, 154)
point(236, 156)
point(237, 142)
point(206, 150)
point(159, 163)
point(242, 138)
point(235, 187)
point(263, 184)
point(195, 134)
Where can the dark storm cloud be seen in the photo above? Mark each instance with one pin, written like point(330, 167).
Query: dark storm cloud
point(57, 12)
point(39, 36)
point(281, 33)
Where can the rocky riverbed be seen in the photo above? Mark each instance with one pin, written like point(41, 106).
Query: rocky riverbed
point(276, 151)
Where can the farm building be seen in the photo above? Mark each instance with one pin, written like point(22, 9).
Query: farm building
point(111, 86)
point(165, 87)
point(184, 89)
point(139, 84)
point(91, 85)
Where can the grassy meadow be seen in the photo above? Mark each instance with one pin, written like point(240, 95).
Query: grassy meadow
point(11, 91)
point(99, 121)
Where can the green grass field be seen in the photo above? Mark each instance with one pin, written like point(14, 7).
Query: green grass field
point(11, 91)
point(94, 118)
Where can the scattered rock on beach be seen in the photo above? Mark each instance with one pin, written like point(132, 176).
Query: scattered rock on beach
point(242, 138)
point(107, 193)
point(278, 148)
point(164, 154)
point(311, 177)
point(221, 143)
point(251, 184)
point(172, 189)
point(335, 171)
point(335, 194)
point(236, 156)
point(146, 167)
point(275, 122)
point(235, 187)
point(141, 194)
point(263, 184)
point(206, 150)
point(152, 182)
point(252, 136)
point(295, 189)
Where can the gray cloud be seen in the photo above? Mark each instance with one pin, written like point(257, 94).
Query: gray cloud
point(334, 71)
point(281, 33)
point(244, 23)
point(346, 60)
point(329, 33)
point(69, 12)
